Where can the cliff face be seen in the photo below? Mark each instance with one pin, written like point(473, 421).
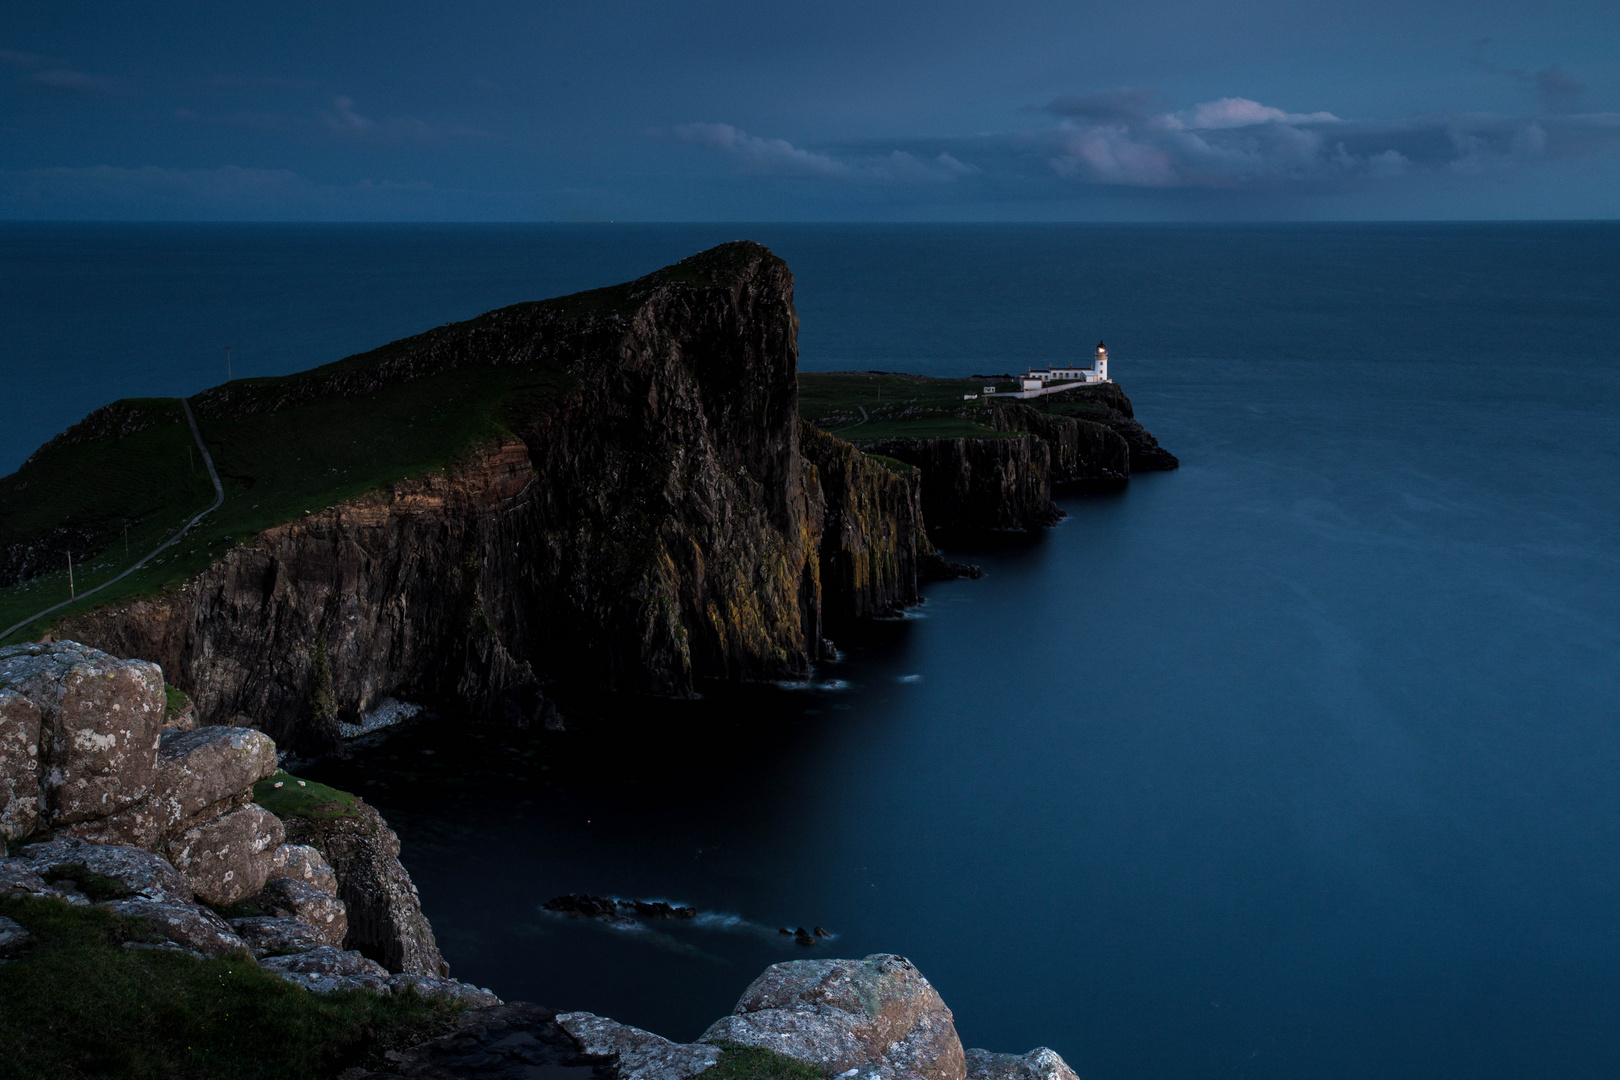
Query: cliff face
point(980, 483)
point(872, 537)
point(1107, 405)
point(1083, 452)
point(650, 527)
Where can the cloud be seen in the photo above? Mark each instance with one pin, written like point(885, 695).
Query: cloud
point(343, 119)
point(1550, 87)
point(42, 71)
point(1106, 105)
point(778, 157)
point(1234, 112)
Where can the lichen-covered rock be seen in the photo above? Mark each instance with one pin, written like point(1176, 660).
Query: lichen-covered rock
point(303, 863)
point(436, 986)
point(140, 872)
point(198, 770)
point(21, 801)
point(137, 825)
point(320, 910)
point(384, 910)
point(277, 935)
point(1039, 1064)
point(228, 858)
point(325, 970)
point(636, 1054)
point(99, 720)
point(187, 925)
point(876, 1014)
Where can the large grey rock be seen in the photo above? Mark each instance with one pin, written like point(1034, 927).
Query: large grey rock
point(384, 909)
point(99, 721)
point(13, 938)
point(637, 1054)
point(1039, 1064)
point(326, 960)
point(320, 911)
point(141, 872)
point(187, 925)
point(229, 858)
point(277, 935)
point(137, 825)
point(303, 863)
point(878, 1016)
point(474, 997)
point(198, 770)
point(21, 800)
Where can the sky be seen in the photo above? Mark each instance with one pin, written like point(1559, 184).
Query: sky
point(714, 110)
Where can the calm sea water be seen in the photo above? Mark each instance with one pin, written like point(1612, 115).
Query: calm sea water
point(1299, 761)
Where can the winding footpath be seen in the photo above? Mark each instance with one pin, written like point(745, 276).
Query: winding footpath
point(219, 499)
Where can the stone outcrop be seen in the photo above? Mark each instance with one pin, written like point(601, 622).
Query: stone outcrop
point(636, 1054)
point(384, 911)
point(519, 1041)
point(872, 537)
point(876, 1015)
point(1106, 404)
point(1083, 452)
point(1001, 483)
point(1039, 1064)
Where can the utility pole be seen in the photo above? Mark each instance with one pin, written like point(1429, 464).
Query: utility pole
point(72, 592)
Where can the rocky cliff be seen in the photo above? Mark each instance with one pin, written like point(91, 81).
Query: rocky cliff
point(1001, 483)
point(872, 538)
point(647, 527)
point(1083, 452)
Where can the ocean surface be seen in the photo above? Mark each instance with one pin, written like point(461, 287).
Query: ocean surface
point(1301, 761)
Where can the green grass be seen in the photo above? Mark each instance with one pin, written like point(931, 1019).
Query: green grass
point(739, 1062)
point(311, 800)
point(78, 1004)
point(896, 405)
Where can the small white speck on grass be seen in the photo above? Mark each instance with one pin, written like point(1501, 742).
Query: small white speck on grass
point(280, 782)
point(302, 784)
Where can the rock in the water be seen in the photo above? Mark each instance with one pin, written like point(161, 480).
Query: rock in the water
point(804, 937)
point(322, 912)
point(637, 1054)
point(502, 1042)
point(98, 725)
point(187, 925)
point(585, 905)
point(822, 932)
point(140, 872)
point(660, 909)
point(878, 1013)
point(1038, 1064)
point(303, 863)
point(229, 858)
point(13, 938)
point(197, 770)
point(277, 935)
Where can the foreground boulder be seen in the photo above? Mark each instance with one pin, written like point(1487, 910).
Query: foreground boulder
point(1038, 1064)
point(873, 1014)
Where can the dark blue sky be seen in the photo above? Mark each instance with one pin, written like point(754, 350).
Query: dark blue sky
point(717, 110)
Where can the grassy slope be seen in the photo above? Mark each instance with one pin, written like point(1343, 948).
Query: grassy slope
point(898, 406)
point(274, 467)
point(78, 1004)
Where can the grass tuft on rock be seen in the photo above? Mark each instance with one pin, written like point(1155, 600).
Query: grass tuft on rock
point(80, 1004)
point(303, 798)
point(739, 1062)
point(97, 887)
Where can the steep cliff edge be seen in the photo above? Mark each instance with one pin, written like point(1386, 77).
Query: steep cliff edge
point(641, 521)
point(873, 540)
point(1083, 451)
point(1003, 483)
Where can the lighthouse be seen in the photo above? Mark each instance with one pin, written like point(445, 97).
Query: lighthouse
point(1101, 366)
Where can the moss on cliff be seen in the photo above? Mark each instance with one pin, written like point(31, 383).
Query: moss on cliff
point(79, 1003)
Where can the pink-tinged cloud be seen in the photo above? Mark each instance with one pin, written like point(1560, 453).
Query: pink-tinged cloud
point(1232, 112)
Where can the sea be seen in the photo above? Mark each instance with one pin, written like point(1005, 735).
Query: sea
point(1300, 761)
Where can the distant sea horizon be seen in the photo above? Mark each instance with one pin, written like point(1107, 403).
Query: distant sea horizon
point(1297, 761)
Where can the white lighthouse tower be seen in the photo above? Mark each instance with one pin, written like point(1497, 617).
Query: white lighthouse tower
point(1101, 366)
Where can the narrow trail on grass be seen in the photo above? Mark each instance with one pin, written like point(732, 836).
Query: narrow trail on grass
point(864, 418)
point(219, 499)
